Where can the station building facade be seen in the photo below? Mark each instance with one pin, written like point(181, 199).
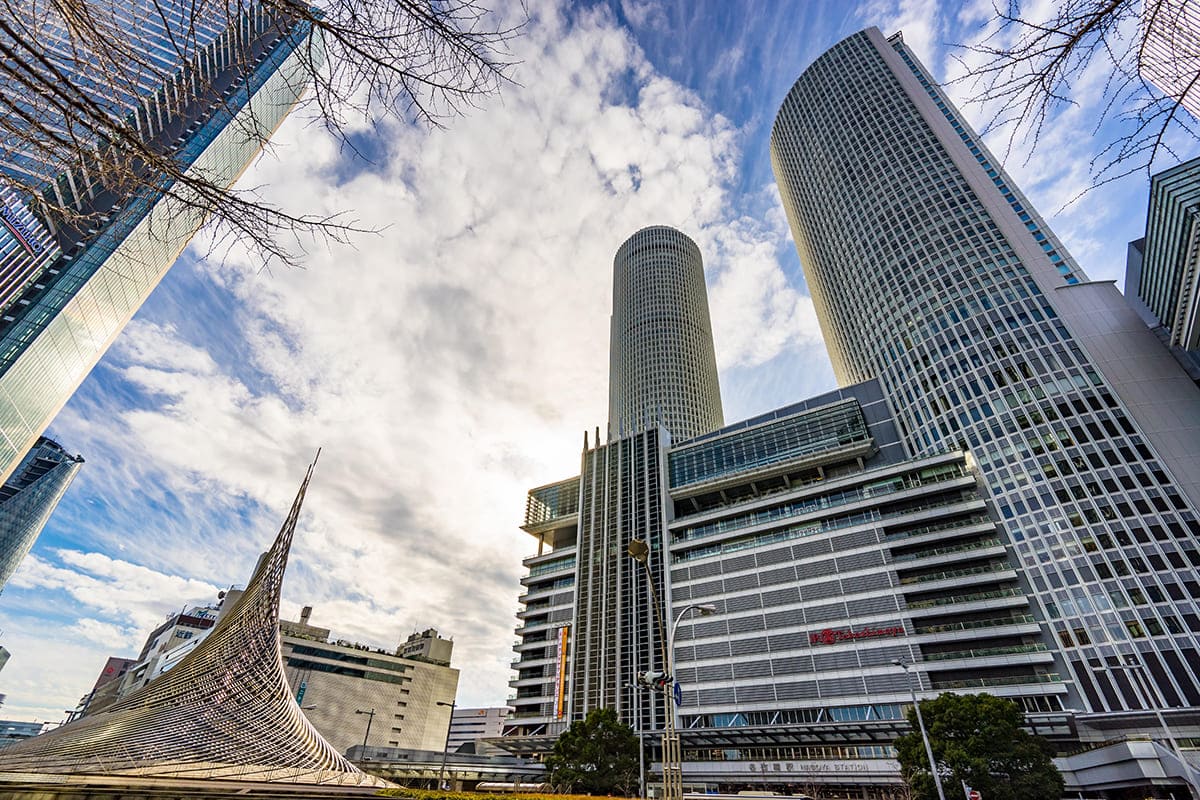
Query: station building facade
point(827, 554)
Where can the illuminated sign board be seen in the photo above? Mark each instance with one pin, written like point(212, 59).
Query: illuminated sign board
point(560, 704)
point(833, 636)
point(18, 222)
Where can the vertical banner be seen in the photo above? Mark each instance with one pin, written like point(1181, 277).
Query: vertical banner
point(560, 686)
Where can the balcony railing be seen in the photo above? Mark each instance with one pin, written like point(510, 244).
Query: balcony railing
point(988, 651)
point(943, 551)
point(804, 529)
point(821, 503)
point(551, 566)
point(978, 519)
point(1005, 680)
point(956, 573)
point(964, 598)
point(969, 625)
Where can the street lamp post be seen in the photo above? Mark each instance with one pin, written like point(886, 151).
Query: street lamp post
point(637, 724)
point(705, 610)
point(937, 779)
point(370, 718)
point(672, 759)
point(446, 749)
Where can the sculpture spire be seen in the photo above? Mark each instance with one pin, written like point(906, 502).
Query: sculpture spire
point(225, 711)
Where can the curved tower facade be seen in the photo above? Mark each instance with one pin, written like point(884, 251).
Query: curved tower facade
point(29, 497)
point(662, 364)
point(932, 273)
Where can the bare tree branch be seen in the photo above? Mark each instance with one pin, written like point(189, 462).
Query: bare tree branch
point(1028, 71)
point(100, 102)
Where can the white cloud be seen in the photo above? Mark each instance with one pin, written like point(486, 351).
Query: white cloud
point(120, 590)
point(62, 620)
point(446, 366)
point(920, 20)
point(644, 13)
point(145, 343)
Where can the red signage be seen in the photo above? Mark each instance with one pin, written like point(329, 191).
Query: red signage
point(831, 636)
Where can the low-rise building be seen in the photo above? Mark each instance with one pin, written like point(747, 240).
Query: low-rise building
point(12, 731)
point(165, 646)
point(470, 725)
point(355, 694)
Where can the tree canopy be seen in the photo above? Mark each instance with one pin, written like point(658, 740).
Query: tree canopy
point(596, 755)
point(978, 738)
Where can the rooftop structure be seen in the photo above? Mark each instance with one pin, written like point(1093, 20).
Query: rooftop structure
point(427, 645)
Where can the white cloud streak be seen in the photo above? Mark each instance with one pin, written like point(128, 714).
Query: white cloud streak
point(446, 366)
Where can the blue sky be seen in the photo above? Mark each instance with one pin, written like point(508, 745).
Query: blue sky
point(453, 361)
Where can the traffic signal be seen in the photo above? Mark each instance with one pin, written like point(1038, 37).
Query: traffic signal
point(655, 680)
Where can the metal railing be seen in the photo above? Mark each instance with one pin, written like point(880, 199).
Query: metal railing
point(1006, 680)
point(988, 651)
point(956, 573)
point(969, 625)
point(944, 551)
point(978, 519)
point(963, 598)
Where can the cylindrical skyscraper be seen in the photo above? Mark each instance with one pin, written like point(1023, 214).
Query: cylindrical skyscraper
point(662, 368)
point(932, 272)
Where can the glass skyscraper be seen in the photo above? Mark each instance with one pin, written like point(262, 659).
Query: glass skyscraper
point(933, 274)
point(29, 497)
point(663, 368)
point(205, 86)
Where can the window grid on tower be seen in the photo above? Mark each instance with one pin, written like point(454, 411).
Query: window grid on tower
point(922, 281)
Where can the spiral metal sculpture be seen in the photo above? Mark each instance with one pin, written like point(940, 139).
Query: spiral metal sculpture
point(224, 712)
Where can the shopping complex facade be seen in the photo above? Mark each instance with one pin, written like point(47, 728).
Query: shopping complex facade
point(1001, 497)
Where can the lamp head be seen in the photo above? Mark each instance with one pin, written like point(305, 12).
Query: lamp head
point(638, 550)
point(707, 609)
point(900, 663)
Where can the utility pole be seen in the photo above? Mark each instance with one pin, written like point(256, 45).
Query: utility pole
point(370, 718)
point(937, 778)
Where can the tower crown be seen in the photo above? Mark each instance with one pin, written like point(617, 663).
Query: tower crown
point(663, 368)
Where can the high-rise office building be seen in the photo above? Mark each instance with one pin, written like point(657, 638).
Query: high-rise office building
point(29, 497)
point(210, 88)
point(663, 368)
point(1162, 271)
point(1170, 55)
point(934, 275)
point(1002, 495)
